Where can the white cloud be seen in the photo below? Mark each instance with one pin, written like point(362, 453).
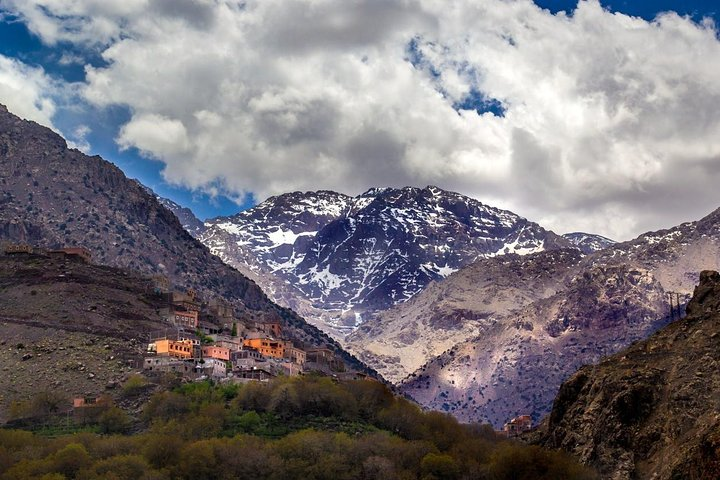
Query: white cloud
point(78, 139)
point(155, 135)
point(611, 122)
point(25, 91)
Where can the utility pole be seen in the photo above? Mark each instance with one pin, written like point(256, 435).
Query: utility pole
point(675, 312)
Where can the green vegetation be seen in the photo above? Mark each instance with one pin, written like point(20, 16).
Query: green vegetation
point(292, 428)
point(134, 385)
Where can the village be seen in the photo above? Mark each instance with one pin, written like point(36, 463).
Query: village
point(203, 339)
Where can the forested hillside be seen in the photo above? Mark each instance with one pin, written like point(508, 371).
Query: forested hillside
point(309, 428)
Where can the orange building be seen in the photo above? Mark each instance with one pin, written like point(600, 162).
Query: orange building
point(269, 348)
point(213, 351)
point(174, 348)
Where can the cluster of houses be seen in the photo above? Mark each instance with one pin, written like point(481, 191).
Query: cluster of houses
point(205, 340)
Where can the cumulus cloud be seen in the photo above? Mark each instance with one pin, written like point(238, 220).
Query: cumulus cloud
point(26, 91)
point(609, 123)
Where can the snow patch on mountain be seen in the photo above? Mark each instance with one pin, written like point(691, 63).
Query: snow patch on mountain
point(350, 257)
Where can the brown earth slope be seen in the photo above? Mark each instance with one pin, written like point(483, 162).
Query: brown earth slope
point(651, 411)
point(69, 327)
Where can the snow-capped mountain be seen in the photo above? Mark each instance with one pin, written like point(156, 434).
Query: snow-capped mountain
point(589, 243)
point(344, 258)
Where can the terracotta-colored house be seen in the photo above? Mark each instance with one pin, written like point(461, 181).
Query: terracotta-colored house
point(174, 348)
point(518, 425)
point(266, 346)
point(213, 351)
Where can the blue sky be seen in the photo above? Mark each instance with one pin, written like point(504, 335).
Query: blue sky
point(647, 9)
point(317, 150)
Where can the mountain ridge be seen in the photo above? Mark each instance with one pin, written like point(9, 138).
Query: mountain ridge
point(603, 302)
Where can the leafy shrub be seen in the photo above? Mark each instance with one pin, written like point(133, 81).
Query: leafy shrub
point(134, 385)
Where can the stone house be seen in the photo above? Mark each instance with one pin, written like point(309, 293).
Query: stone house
point(518, 425)
point(294, 354)
point(217, 352)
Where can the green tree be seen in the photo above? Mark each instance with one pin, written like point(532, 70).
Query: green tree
point(120, 467)
point(114, 420)
point(438, 466)
point(162, 450)
point(198, 462)
point(249, 422)
point(70, 460)
point(284, 401)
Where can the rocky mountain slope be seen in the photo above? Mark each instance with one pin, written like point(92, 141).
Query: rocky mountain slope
point(54, 196)
point(587, 242)
point(651, 411)
point(469, 302)
point(193, 225)
point(70, 327)
point(341, 259)
point(523, 352)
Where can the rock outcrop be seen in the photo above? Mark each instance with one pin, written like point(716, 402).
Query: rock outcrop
point(523, 349)
point(651, 411)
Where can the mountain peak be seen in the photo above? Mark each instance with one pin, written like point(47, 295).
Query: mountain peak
point(355, 256)
point(588, 242)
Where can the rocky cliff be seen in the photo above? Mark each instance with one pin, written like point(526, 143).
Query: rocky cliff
point(651, 411)
point(469, 303)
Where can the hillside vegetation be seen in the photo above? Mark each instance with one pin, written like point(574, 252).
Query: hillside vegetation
point(310, 428)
